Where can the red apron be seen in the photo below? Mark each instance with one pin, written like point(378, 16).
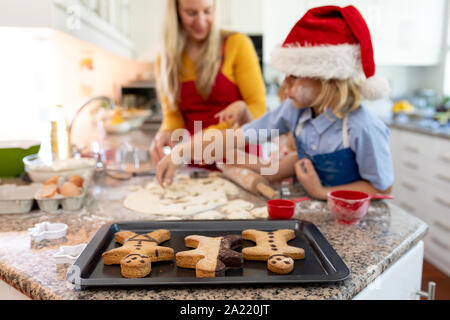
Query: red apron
point(194, 107)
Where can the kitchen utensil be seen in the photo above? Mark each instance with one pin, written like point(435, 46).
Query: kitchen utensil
point(248, 179)
point(282, 209)
point(349, 207)
point(321, 264)
point(47, 231)
point(69, 254)
point(11, 155)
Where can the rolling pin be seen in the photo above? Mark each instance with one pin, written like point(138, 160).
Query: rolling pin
point(248, 179)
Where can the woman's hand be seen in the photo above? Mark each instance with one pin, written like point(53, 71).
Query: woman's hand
point(165, 171)
point(309, 179)
point(236, 114)
point(161, 140)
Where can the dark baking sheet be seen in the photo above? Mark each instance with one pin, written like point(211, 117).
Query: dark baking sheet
point(321, 263)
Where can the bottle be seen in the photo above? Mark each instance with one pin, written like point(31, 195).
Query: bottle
point(60, 137)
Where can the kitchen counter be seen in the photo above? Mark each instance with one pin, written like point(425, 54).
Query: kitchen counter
point(427, 127)
point(382, 237)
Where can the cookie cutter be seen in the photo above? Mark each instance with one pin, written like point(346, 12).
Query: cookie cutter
point(47, 230)
point(69, 254)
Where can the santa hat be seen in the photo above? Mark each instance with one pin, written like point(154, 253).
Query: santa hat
point(331, 42)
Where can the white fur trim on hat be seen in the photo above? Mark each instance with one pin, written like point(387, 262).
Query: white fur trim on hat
point(324, 62)
point(375, 88)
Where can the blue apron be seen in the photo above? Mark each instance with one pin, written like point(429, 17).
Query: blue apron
point(336, 168)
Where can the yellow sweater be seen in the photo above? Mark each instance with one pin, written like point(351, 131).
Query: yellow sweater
point(240, 66)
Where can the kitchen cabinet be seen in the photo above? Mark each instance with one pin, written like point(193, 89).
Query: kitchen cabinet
point(422, 187)
point(105, 23)
point(404, 32)
point(401, 281)
point(243, 16)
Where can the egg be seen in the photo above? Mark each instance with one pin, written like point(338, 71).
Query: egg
point(52, 180)
point(69, 189)
point(77, 180)
point(48, 191)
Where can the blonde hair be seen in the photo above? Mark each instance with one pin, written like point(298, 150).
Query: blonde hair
point(174, 43)
point(340, 96)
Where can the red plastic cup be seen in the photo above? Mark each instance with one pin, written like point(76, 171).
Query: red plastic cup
point(281, 209)
point(349, 207)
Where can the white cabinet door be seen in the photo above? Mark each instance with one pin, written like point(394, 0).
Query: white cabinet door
point(242, 16)
point(404, 32)
point(401, 281)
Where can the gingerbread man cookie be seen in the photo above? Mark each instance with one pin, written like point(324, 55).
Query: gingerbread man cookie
point(138, 252)
point(269, 244)
point(212, 256)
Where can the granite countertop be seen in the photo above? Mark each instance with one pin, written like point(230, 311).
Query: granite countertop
point(383, 236)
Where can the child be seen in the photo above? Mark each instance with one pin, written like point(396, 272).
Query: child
point(340, 145)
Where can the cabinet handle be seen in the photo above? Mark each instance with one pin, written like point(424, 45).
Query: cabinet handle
point(442, 202)
point(441, 226)
point(412, 149)
point(443, 178)
point(440, 243)
point(408, 186)
point(410, 165)
point(445, 159)
point(431, 293)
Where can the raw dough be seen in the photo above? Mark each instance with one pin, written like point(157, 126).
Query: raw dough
point(184, 197)
point(239, 214)
point(260, 213)
point(237, 205)
point(209, 215)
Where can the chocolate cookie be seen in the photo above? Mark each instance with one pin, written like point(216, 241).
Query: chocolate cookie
point(280, 264)
point(212, 256)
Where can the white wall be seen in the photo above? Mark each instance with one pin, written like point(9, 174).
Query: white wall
point(17, 13)
point(41, 68)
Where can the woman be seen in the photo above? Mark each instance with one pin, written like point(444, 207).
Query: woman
point(204, 74)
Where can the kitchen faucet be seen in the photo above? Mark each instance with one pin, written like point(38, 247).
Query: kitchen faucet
point(109, 101)
point(110, 105)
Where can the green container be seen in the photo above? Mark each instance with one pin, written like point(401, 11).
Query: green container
point(12, 154)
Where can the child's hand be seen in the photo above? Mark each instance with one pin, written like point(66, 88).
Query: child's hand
point(309, 179)
point(165, 171)
point(235, 114)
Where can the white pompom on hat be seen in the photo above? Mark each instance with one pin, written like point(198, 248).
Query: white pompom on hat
point(331, 42)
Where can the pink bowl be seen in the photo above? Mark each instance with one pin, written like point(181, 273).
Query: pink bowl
point(349, 207)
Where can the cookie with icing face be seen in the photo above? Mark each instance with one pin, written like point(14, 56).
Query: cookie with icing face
point(269, 244)
point(138, 252)
point(212, 256)
point(280, 264)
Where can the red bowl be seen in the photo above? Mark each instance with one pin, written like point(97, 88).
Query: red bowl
point(349, 207)
point(280, 209)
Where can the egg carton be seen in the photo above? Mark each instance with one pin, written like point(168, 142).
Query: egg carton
point(17, 199)
point(66, 203)
point(53, 205)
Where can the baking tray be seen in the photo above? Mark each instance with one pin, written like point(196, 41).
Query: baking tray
point(321, 263)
